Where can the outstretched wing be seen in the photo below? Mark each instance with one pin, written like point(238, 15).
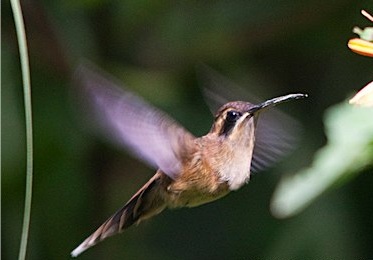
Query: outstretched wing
point(276, 133)
point(128, 120)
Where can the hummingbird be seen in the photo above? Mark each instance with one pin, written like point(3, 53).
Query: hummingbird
point(191, 170)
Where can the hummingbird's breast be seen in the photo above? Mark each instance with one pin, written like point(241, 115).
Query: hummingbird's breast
point(216, 168)
point(198, 184)
point(230, 157)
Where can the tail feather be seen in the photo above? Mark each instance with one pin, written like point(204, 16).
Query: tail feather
point(146, 203)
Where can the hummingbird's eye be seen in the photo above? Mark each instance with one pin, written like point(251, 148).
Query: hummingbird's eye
point(233, 116)
point(230, 120)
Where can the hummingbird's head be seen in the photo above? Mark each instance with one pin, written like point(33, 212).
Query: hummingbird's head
point(231, 117)
point(235, 117)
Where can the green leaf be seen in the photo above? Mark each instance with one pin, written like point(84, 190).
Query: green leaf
point(349, 149)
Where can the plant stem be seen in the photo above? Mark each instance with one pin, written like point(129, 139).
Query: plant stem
point(22, 44)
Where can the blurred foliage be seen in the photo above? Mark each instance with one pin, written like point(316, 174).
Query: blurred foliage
point(349, 150)
point(269, 47)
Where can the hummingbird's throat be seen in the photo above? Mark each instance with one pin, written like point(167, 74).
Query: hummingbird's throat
point(236, 169)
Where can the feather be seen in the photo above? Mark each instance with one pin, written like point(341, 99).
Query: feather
point(276, 135)
point(130, 121)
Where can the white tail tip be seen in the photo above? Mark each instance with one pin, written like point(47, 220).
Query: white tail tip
point(77, 251)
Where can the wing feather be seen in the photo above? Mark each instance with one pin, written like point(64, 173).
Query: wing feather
point(128, 120)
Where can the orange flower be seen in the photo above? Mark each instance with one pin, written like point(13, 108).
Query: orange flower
point(361, 47)
point(364, 44)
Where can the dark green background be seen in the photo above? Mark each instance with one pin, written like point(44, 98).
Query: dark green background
point(269, 47)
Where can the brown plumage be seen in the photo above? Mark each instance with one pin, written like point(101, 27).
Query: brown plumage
point(192, 171)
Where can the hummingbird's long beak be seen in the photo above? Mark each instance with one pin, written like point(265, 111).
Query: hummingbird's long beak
point(275, 101)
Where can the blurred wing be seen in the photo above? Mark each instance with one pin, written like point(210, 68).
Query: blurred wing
point(131, 122)
point(276, 134)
